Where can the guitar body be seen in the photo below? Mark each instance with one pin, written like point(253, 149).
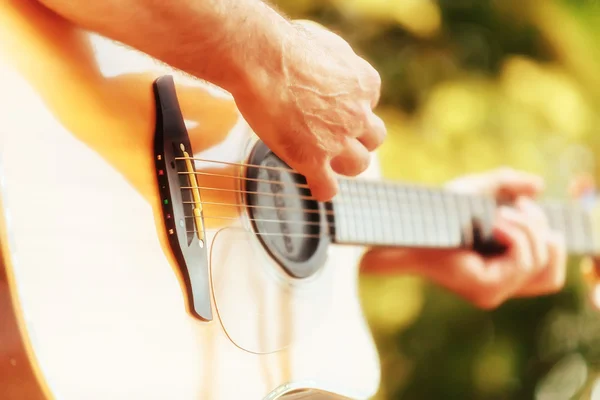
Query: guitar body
point(92, 304)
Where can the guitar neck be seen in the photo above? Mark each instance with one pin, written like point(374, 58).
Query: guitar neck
point(401, 215)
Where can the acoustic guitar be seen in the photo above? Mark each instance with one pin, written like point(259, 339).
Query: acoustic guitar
point(153, 248)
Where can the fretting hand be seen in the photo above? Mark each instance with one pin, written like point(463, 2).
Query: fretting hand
point(534, 263)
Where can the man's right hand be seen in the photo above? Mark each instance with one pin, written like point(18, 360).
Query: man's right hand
point(316, 112)
point(300, 87)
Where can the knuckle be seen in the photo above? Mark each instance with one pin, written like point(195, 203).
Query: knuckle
point(488, 296)
point(303, 154)
point(350, 165)
point(488, 301)
point(544, 259)
point(558, 282)
point(376, 77)
point(371, 75)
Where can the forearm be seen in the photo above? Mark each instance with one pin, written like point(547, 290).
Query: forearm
point(231, 43)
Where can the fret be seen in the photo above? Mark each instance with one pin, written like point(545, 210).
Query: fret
point(388, 228)
point(594, 224)
point(367, 213)
point(430, 222)
point(464, 219)
point(401, 200)
point(569, 231)
point(344, 220)
point(416, 217)
point(362, 225)
point(376, 210)
point(399, 227)
point(441, 216)
point(578, 235)
point(389, 203)
point(366, 210)
point(451, 210)
point(555, 219)
point(373, 213)
point(588, 231)
point(437, 211)
point(357, 211)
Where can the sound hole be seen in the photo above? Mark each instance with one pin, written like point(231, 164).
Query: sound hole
point(292, 227)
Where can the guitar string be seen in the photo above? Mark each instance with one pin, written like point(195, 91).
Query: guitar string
point(294, 172)
point(308, 210)
point(411, 196)
point(403, 216)
point(285, 169)
point(483, 212)
point(410, 219)
point(417, 234)
point(422, 234)
point(394, 207)
point(303, 235)
point(407, 188)
point(366, 196)
point(422, 240)
point(387, 184)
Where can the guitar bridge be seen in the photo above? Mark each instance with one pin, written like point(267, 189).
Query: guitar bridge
point(180, 197)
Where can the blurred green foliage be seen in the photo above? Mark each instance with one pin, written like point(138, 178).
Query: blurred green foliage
point(470, 85)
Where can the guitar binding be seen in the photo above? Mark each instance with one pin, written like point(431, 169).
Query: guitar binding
point(182, 215)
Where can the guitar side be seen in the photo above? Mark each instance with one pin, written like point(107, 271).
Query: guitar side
point(91, 300)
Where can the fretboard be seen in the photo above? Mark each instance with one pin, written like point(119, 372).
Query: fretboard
point(386, 214)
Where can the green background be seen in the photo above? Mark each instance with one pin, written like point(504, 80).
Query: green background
point(469, 85)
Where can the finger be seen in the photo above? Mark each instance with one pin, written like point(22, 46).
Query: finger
point(375, 133)
point(552, 278)
point(313, 164)
point(464, 272)
point(581, 185)
point(535, 224)
point(510, 182)
point(502, 182)
point(595, 297)
point(353, 159)
point(322, 183)
point(524, 238)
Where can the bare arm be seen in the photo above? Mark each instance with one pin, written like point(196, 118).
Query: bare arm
point(302, 89)
point(231, 43)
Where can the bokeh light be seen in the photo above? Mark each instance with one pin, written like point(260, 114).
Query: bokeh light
point(471, 85)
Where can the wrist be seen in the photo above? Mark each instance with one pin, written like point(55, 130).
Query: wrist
point(255, 65)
